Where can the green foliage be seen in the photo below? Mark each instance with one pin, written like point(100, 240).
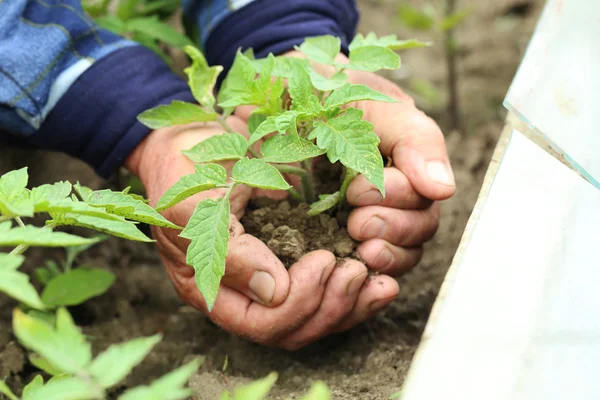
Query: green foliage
point(176, 113)
point(257, 390)
point(16, 284)
point(14, 197)
point(33, 236)
point(207, 176)
point(77, 286)
point(142, 21)
point(255, 172)
point(396, 395)
point(63, 351)
point(325, 203)
point(298, 122)
point(414, 18)
point(228, 146)
point(208, 230)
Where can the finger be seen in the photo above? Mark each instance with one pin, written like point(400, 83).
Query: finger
point(405, 228)
point(238, 314)
point(253, 269)
point(377, 292)
point(399, 193)
point(338, 301)
point(413, 140)
point(388, 259)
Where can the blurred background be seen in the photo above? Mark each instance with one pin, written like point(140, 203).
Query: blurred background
point(460, 81)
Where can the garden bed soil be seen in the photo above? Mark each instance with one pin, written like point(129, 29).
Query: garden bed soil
point(369, 362)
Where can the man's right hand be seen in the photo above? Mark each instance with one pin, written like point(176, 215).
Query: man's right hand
point(259, 298)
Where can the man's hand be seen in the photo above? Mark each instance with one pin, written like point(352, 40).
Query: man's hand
point(258, 297)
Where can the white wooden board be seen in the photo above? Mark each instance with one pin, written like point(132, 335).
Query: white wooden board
point(557, 88)
point(518, 316)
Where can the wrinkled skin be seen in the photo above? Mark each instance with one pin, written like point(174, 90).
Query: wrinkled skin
point(260, 299)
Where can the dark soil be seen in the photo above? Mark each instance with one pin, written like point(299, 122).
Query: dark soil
point(369, 362)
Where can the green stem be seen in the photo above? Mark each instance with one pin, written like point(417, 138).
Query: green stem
point(4, 218)
point(228, 194)
point(289, 169)
point(295, 195)
point(22, 248)
point(19, 221)
point(253, 152)
point(308, 184)
point(349, 175)
point(224, 124)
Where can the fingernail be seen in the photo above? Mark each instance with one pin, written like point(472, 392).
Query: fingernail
point(383, 259)
point(440, 172)
point(374, 228)
point(379, 304)
point(355, 284)
point(262, 285)
point(327, 272)
point(369, 198)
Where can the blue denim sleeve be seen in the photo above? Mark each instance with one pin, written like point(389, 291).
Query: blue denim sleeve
point(267, 26)
point(68, 85)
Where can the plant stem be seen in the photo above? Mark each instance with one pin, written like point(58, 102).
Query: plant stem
point(295, 195)
point(19, 221)
point(22, 248)
point(349, 175)
point(451, 62)
point(308, 184)
point(228, 194)
point(253, 152)
point(289, 169)
point(224, 124)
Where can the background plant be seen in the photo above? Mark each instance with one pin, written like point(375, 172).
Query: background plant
point(439, 18)
point(144, 21)
point(305, 119)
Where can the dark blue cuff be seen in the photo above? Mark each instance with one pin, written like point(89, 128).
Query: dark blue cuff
point(276, 26)
point(96, 119)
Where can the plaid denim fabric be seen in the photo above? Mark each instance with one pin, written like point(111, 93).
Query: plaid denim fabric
point(44, 46)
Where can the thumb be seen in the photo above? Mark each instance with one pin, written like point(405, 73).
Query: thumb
point(419, 151)
point(253, 269)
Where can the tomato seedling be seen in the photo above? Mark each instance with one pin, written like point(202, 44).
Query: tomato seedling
point(305, 115)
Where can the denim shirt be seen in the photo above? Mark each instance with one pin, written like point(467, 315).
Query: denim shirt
point(68, 85)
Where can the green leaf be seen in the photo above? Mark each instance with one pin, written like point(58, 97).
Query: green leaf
point(10, 262)
point(301, 91)
point(325, 203)
point(208, 229)
point(176, 113)
point(43, 364)
point(257, 173)
point(82, 191)
point(255, 121)
point(287, 121)
point(5, 390)
point(228, 146)
point(111, 23)
point(47, 316)
point(168, 387)
point(207, 176)
point(153, 45)
point(389, 41)
point(351, 141)
point(453, 20)
point(95, 8)
point(318, 391)
point(77, 286)
point(154, 27)
point(372, 59)
point(126, 9)
point(124, 205)
point(415, 18)
point(115, 363)
point(74, 207)
point(257, 390)
point(16, 285)
point(64, 347)
point(14, 197)
point(119, 228)
point(396, 395)
point(322, 49)
point(238, 86)
point(288, 148)
point(68, 388)
point(201, 77)
point(32, 387)
point(74, 251)
point(325, 84)
point(266, 127)
point(34, 236)
point(57, 191)
point(350, 93)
